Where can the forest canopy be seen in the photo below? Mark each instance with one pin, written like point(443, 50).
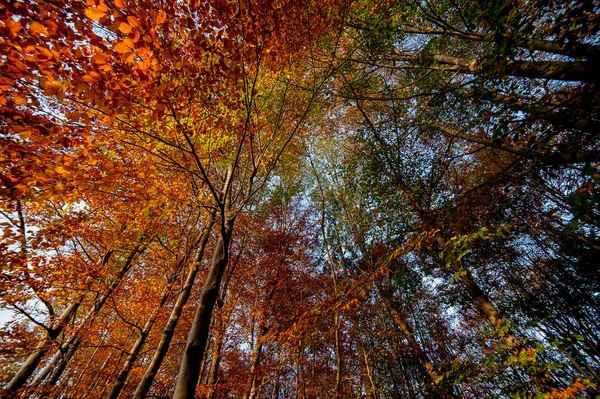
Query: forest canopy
point(299, 199)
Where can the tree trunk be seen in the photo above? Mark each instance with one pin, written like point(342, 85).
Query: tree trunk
point(251, 390)
point(556, 159)
point(66, 351)
point(119, 383)
point(407, 332)
point(198, 335)
point(63, 361)
point(365, 370)
point(576, 71)
point(167, 334)
point(27, 369)
point(213, 372)
point(339, 361)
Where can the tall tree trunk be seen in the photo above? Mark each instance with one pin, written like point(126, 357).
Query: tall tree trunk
point(167, 334)
point(63, 361)
point(60, 359)
point(365, 370)
point(577, 71)
point(211, 378)
point(119, 383)
point(198, 335)
point(27, 369)
point(541, 380)
point(416, 348)
point(251, 389)
point(99, 373)
point(219, 334)
point(339, 361)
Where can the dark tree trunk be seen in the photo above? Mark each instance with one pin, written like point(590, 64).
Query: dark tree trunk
point(198, 336)
point(167, 334)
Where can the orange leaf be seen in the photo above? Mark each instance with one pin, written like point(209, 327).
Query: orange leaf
point(94, 13)
point(125, 27)
point(125, 46)
point(134, 21)
point(161, 17)
point(120, 3)
point(51, 84)
point(144, 53)
point(21, 66)
point(61, 170)
point(130, 57)
point(25, 134)
point(20, 100)
point(36, 28)
point(13, 25)
point(98, 60)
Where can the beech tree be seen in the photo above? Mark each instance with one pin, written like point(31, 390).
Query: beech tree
point(299, 199)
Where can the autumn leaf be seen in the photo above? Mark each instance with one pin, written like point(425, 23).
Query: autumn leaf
point(20, 100)
point(94, 13)
point(124, 27)
point(134, 21)
point(125, 46)
point(25, 134)
point(161, 17)
point(64, 172)
point(36, 28)
point(51, 84)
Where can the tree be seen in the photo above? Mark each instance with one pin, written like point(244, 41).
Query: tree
point(398, 199)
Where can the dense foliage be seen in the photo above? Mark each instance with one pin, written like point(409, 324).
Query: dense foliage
point(300, 199)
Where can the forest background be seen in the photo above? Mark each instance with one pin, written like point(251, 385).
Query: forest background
point(300, 199)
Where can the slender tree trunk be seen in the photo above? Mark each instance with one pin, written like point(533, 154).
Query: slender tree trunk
point(407, 331)
point(251, 389)
point(167, 334)
point(539, 378)
point(63, 361)
point(219, 334)
point(577, 71)
point(198, 336)
point(99, 373)
point(27, 369)
point(119, 383)
point(339, 361)
point(60, 359)
point(83, 371)
point(365, 370)
point(557, 159)
point(211, 378)
point(275, 391)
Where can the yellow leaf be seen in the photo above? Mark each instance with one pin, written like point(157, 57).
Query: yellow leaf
point(94, 13)
point(51, 84)
point(61, 170)
point(125, 27)
point(25, 134)
point(36, 28)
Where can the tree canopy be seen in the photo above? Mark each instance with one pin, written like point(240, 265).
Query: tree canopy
point(299, 199)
